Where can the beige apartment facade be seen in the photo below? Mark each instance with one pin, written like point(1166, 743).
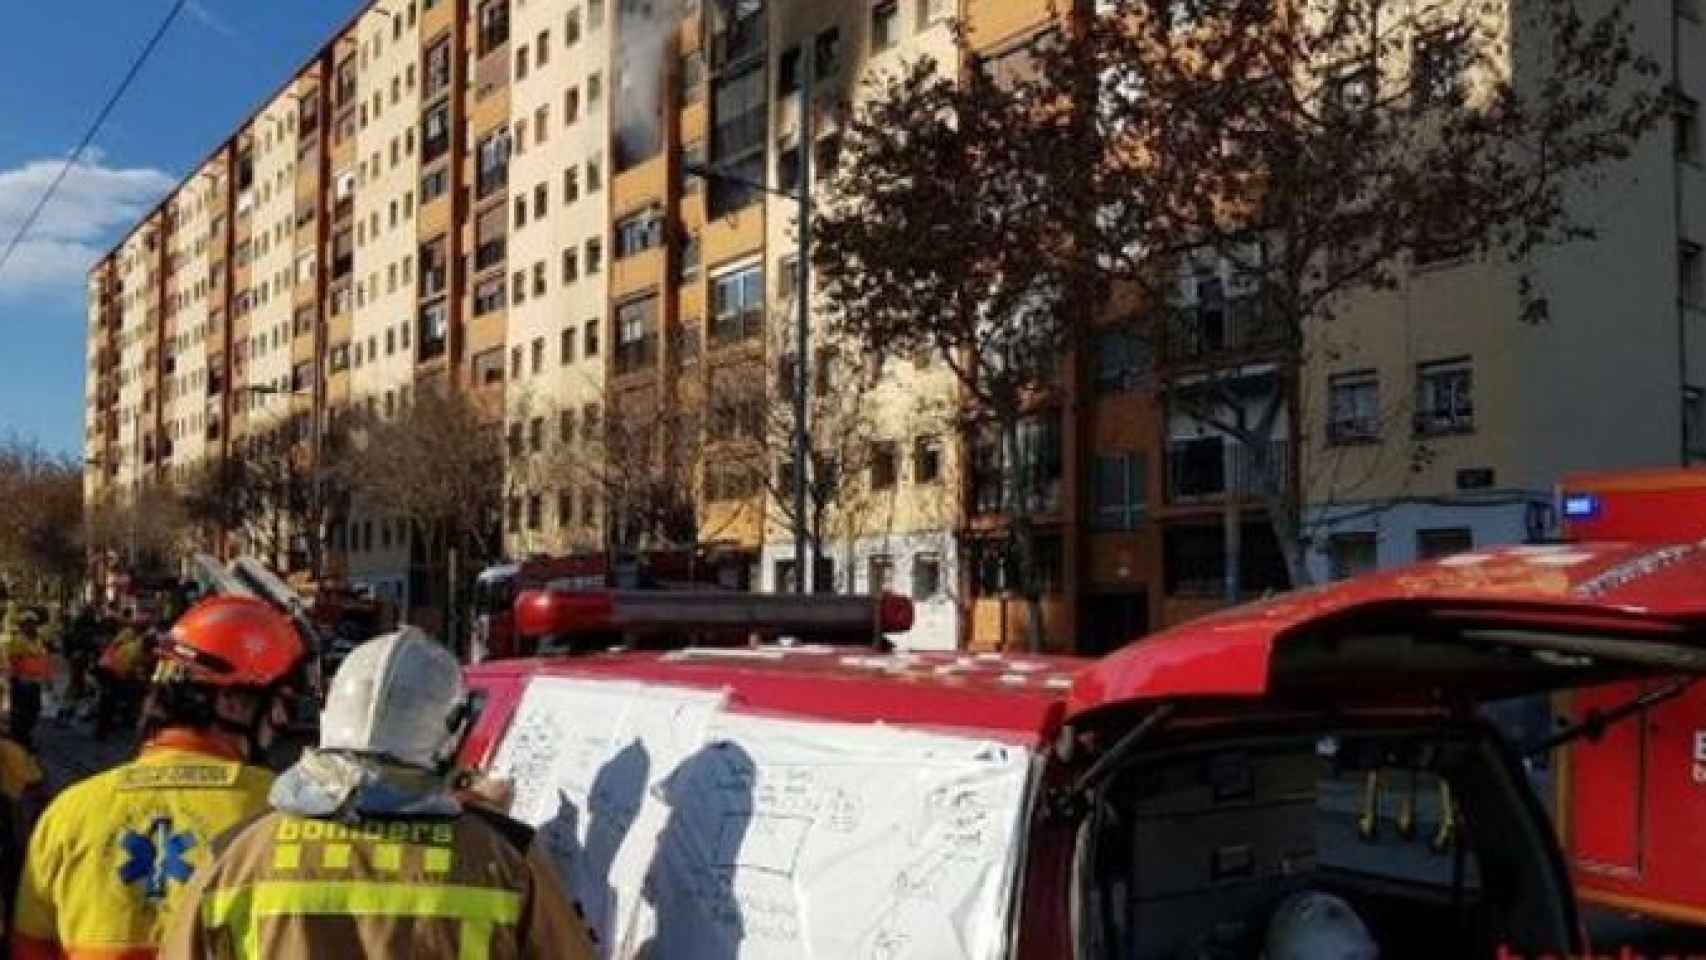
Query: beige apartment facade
point(1436, 418)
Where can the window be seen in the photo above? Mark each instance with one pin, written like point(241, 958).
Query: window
point(594, 255)
point(538, 365)
point(788, 72)
point(437, 69)
point(1350, 554)
point(737, 305)
point(1685, 115)
point(926, 576)
point(571, 106)
point(435, 330)
point(636, 334)
point(571, 185)
point(927, 460)
point(492, 164)
point(435, 276)
point(1691, 273)
point(488, 367)
point(1445, 398)
point(520, 137)
point(518, 288)
point(494, 25)
point(885, 23)
point(541, 198)
point(589, 345)
point(567, 348)
point(638, 233)
point(788, 277)
point(543, 46)
point(738, 139)
point(435, 184)
point(885, 465)
point(534, 509)
point(879, 577)
point(594, 89)
point(788, 165)
point(589, 422)
point(1437, 71)
point(692, 77)
point(594, 13)
point(520, 212)
point(515, 363)
point(566, 426)
point(827, 53)
point(541, 124)
point(539, 279)
point(565, 508)
point(692, 158)
point(1443, 542)
point(1120, 497)
point(572, 28)
point(490, 243)
point(688, 263)
point(594, 173)
point(1353, 407)
point(571, 266)
point(536, 434)
point(1122, 360)
point(435, 133)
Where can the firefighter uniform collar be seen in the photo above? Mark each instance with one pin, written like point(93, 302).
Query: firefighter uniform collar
point(191, 740)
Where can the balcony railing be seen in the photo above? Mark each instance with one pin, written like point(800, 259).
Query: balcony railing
point(1239, 325)
point(638, 354)
point(1200, 469)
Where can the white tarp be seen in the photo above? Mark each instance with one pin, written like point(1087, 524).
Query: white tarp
point(686, 831)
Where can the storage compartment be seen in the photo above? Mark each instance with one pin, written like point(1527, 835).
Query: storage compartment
point(1193, 851)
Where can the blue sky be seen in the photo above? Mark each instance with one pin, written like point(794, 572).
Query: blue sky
point(58, 63)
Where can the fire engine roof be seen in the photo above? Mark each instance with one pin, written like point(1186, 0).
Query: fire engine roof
point(1011, 697)
point(1623, 589)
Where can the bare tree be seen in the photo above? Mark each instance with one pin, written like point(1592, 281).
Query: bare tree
point(438, 465)
point(1291, 153)
point(42, 542)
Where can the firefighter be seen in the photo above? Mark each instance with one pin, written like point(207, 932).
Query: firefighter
point(29, 669)
point(368, 852)
point(112, 855)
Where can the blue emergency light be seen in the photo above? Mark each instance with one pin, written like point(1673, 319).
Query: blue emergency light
point(1580, 506)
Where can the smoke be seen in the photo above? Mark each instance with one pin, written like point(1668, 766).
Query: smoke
point(643, 38)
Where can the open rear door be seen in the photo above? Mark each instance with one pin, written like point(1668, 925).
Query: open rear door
point(1473, 627)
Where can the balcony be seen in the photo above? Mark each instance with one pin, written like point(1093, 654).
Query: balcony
point(1237, 325)
point(635, 355)
point(488, 254)
point(1198, 470)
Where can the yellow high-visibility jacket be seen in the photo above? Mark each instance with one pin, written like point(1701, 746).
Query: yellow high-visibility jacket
point(112, 855)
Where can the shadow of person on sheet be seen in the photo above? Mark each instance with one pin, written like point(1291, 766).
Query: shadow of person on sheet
point(613, 803)
point(697, 884)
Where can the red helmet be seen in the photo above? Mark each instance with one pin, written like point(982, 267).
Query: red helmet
point(232, 641)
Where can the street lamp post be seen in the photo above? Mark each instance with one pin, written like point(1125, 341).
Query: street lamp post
point(802, 195)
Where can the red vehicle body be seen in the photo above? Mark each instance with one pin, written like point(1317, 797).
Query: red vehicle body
point(497, 589)
point(1164, 783)
point(1629, 805)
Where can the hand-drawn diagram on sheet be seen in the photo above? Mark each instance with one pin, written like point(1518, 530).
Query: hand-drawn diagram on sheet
point(689, 832)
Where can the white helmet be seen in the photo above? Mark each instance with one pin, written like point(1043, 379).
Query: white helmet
point(399, 696)
point(1318, 926)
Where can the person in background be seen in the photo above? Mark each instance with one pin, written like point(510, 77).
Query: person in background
point(29, 668)
point(368, 851)
point(112, 856)
point(120, 674)
point(23, 795)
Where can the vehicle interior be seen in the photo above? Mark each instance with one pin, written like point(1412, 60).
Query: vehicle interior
point(1430, 834)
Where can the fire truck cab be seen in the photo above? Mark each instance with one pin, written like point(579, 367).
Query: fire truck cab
point(1166, 801)
point(1629, 801)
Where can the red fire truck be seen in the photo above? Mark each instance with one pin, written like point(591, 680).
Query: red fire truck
point(497, 589)
point(1178, 798)
point(1630, 803)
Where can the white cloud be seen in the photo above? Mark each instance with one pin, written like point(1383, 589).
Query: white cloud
point(76, 226)
point(199, 12)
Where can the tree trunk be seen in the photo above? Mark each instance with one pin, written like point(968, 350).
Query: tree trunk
point(1232, 522)
point(1282, 515)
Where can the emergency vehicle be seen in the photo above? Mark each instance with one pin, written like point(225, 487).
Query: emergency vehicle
point(814, 800)
point(1630, 802)
point(496, 589)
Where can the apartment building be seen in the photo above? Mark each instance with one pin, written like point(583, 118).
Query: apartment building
point(1438, 420)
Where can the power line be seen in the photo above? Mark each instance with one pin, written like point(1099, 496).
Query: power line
point(94, 128)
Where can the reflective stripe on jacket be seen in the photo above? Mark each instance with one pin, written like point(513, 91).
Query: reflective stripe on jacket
point(112, 855)
point(428, 888)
